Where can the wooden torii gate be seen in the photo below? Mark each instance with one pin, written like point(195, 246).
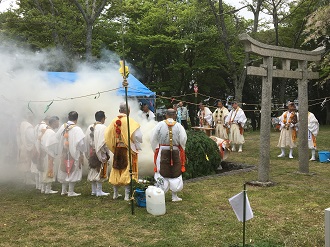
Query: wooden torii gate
point(268, 71)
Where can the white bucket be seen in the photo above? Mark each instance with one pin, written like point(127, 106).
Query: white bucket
point(155, 199)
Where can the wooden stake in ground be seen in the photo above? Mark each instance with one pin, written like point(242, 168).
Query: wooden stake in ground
point(268, 71)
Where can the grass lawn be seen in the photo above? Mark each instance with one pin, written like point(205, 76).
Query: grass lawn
point(288, 214)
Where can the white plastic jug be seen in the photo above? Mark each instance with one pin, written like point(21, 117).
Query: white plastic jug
point(155, 199)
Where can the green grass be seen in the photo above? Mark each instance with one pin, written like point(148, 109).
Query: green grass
point(288, 214)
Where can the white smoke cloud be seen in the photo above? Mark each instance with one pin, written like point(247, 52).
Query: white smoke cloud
point(22, 83)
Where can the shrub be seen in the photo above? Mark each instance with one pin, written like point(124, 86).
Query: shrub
point(202, 155)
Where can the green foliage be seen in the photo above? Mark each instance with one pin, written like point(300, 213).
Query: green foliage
point(171, 43)
point(317, 32)
point(202, 155)
point(143, 184)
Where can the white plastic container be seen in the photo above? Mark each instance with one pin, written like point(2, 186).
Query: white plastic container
point(155, 200)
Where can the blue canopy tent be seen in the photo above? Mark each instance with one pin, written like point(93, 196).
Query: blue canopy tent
point(136, 89)
point(62, 77)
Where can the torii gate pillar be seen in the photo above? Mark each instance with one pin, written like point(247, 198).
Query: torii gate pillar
point(267, 71)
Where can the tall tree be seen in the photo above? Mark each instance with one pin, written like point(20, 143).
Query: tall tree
point(46, 24)
point(317, 32)
point(90, 10)
point(172, 42)
point(235, 68)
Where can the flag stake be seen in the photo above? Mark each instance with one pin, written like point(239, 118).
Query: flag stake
point(244, 212)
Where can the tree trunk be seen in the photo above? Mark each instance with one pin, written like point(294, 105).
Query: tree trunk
point(52, 25)
point(89, 31)
point(327, 121)
point(90, 14)
point(54, 31)
point(223, 38)
point(238, 91)
point(282, 82)
point(238, 80)
point(256, 13)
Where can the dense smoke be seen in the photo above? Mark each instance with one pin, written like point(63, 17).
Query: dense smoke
point(22, 82)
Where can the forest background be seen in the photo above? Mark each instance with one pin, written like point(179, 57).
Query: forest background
point(172, 45)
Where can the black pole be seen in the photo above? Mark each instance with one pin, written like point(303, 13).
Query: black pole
point(129, 144)
point(125, 85)
point(244, 212)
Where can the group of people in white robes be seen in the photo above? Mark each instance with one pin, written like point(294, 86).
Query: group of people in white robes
point(228, 125)
point(54, 152)
point(289, 126)
point(37, 151)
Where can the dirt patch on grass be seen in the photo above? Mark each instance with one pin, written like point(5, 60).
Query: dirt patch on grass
point(227, 168)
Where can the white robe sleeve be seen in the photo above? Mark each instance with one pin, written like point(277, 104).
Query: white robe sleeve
point(29, 136)
point(281, 118)
point(152, 115)
point(137, 139)
point(81, 146)
point(227, 118)
point(154, 137)
point(225, 112)
point(87, 141)
point(313, 124)
point(242, 118)
point(208, 115)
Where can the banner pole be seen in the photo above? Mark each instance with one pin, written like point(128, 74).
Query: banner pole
point(244, 212)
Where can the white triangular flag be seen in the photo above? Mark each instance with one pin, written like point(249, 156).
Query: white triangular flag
point(237, 204)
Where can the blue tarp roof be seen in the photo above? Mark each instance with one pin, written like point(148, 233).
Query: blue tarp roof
point(60, 77)
point(135, 87)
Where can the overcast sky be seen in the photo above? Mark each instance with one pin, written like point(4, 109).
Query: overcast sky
point(5, 4)
point(243, 12)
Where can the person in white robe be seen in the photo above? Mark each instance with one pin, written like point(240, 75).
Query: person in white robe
point(313, 130)
point(97, 154)
point(288, 127)
point(38, 155)
point(71, 149)
point(219, 116)
point(235, 121)
point(146, 113)
point(168, 141)
point(49, 145)
point(205, 116)
point(25, 142)
point(117, 139)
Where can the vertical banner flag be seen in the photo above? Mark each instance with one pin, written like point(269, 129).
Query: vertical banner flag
point(237, 202)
